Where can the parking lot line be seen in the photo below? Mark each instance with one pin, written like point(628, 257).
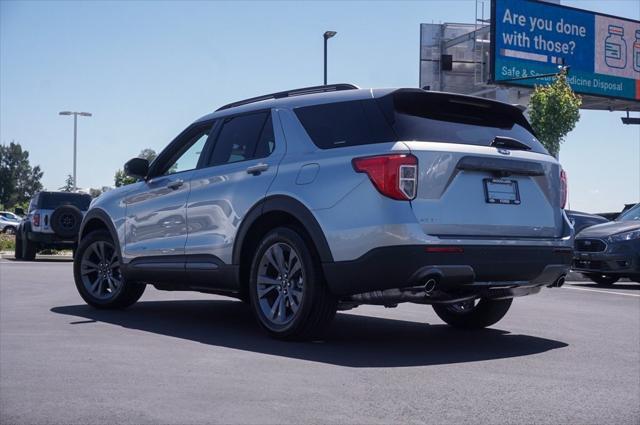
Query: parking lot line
point(601, 291)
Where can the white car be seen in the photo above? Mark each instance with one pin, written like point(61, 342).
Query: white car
point(9, 222)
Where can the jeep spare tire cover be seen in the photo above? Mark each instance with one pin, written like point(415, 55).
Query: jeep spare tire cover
point(65, 221)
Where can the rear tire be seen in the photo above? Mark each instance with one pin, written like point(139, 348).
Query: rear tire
point(288, 293)
point(9, 230)
point(97, 274)
point(602, 279)
point(17, 250)
point(484, 313)
point(29, 249)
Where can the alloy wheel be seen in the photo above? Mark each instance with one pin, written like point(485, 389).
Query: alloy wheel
point(280, 284)
point(100, 270)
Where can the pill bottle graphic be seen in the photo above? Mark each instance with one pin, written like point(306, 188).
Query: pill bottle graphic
point(636, 52)
point(615, 48)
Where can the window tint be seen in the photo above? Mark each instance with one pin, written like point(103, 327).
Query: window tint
point(444, 118)
point(415, 115)
point(267, 142)
point(335, 125)
point(33, 204)
point(630, 215)
point(50, 201)
point(187, 158)
point(238, 138)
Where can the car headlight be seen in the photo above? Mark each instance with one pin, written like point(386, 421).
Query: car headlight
point(626, 236)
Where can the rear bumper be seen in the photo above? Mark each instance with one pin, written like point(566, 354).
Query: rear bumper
point(49, 239)
point(474, 268)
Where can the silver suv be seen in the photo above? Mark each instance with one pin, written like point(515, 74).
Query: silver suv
point(313, 200)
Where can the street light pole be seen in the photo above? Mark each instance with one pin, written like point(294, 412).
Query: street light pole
point(75, 150)
point(327, 36)
point(75, 140)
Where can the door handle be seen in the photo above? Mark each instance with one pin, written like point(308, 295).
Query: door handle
point(176, 184)
point(257, 169)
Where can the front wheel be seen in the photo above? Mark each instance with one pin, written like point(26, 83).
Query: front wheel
point(288, 294)
point(9, 230)
point(473, 314)
point(97, 274)
point(602, 279)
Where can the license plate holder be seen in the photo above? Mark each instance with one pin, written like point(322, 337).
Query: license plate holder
point(501, 191)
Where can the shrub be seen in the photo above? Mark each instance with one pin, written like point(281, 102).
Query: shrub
point(7, 242)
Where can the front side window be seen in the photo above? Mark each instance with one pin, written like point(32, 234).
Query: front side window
point(187, 157)
point(238, 138)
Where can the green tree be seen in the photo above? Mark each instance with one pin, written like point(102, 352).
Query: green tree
point(554, 110)
point(19, 181)
point(121, 179)
point(68, 184)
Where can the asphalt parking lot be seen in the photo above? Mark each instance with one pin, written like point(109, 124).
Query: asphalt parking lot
point(568, 355)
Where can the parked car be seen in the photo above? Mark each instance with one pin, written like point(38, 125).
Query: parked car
point(307, 201)
point(9, 222)
point(582, 220)
point(52, 222)
point(607, 252)
point(614, 215)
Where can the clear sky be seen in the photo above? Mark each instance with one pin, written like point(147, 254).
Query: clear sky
point(147, 69)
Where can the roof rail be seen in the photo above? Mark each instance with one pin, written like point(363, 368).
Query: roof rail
point(290, 93)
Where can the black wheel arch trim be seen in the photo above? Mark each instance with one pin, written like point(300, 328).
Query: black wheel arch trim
point(291, 206)
point(102, 216)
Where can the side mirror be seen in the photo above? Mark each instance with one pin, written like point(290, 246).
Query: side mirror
point(137, 168)
point(19, 211)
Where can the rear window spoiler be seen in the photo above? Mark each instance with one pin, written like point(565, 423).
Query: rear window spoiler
point(455, 108)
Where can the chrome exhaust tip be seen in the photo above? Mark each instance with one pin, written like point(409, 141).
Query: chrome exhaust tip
point(430, 286)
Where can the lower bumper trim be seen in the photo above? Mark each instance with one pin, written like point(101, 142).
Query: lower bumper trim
point(478, 268)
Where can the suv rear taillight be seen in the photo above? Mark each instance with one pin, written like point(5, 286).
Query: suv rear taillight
point(395, 176)
point(564, 189)
point(36, 219)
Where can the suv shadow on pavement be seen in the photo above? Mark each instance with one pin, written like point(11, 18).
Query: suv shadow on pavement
point(354, 341)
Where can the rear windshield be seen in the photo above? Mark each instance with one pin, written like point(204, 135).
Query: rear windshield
point(50, 201)
point(415, 116)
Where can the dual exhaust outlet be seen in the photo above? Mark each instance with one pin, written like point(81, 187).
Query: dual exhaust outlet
point(418, 294)
point(391, 297)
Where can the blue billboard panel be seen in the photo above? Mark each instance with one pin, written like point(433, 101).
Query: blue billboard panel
point(531, 38)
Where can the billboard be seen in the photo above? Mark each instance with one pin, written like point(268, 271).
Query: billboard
point(531, 38)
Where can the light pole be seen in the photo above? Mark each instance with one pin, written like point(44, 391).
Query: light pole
point(75, 139)
point(327, 36)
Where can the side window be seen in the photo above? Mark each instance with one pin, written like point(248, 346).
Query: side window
point(336, 125)
point(187, 158)
point(238, 138)
point(34, 203)
point(267, 141)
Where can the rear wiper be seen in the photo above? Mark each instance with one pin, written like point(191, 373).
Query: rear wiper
point(509, 143)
